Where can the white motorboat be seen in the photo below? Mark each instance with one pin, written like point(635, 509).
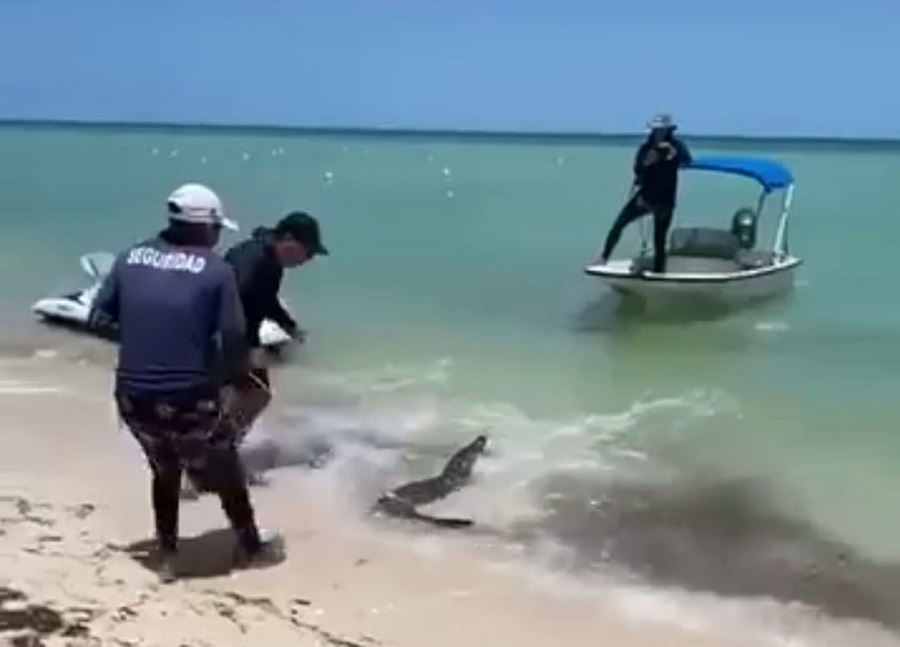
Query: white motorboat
point(72, 309)
point(721, 266)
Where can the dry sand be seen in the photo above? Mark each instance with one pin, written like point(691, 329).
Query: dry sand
point(75, 519)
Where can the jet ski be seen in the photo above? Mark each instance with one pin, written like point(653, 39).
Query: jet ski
point(72, 309)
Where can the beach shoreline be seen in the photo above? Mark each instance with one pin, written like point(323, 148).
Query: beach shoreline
point(75, 522)
point(77, 565)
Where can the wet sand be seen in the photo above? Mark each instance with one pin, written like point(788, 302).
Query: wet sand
point(76, 566)
point(74, 518)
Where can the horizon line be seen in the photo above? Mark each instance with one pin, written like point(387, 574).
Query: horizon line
point(439, 133)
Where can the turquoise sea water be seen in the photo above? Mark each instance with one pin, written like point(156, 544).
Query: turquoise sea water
point(455, 287)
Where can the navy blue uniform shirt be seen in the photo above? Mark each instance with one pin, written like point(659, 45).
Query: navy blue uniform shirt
point(179, 318)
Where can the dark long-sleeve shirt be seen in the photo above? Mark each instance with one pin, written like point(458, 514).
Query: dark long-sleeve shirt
point(259, 276)
point(658, 179)
point(179, 318)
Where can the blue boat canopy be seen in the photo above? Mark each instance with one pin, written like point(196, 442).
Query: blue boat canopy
point(770, 174)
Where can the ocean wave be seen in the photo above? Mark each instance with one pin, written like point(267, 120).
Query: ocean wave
point(600, 499)
point(595, 497)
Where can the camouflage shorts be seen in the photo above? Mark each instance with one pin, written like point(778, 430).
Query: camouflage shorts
point(178, 432)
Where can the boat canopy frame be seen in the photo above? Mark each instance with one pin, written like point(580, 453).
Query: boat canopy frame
point(769, 174)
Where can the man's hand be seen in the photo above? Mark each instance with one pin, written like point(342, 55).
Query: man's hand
point(668, 150)
point(295, 332)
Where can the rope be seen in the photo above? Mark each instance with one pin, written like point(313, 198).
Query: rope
point(234, 416)
point(260, 384)
point(643, 225)
point(644, 229)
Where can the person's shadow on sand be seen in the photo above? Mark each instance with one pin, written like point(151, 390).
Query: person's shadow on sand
point(210, 554)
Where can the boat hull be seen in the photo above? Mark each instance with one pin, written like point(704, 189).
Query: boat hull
point(722, 285)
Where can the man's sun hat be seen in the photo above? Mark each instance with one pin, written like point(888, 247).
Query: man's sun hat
point(662, 121)
point(198, 204)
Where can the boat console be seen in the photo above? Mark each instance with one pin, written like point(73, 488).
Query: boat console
point(734, 245)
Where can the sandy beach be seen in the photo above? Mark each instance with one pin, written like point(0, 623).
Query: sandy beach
point(74, 523)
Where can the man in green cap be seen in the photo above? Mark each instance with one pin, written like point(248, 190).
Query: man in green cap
point(259, 263)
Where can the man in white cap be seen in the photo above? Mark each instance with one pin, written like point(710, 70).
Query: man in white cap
point(181, 330)
point(655, 187)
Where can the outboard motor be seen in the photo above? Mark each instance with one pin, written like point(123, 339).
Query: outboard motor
point(743, 227)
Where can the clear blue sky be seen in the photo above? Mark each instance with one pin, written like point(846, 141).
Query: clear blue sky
point(752, 67)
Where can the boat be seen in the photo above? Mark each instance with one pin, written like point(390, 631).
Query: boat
point(72, 309)
point(717, 265)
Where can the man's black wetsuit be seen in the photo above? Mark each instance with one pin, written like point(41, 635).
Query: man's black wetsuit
point(656, 189)
point(259, 276)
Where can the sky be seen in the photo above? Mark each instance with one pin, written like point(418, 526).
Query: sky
point(819, 68)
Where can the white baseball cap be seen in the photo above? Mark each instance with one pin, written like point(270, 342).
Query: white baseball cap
point(198, 204)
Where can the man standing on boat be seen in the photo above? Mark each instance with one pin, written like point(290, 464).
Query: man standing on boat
point(655, 187)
